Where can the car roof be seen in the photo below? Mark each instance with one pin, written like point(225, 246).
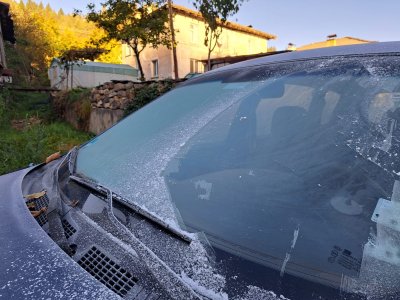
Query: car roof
point(360, 49)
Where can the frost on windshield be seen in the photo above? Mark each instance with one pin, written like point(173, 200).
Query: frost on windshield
point(372, 128)
point(134, 168)
point(143, 180)
point(135, 171)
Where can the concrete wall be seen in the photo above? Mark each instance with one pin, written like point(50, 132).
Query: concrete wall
point(102, 119)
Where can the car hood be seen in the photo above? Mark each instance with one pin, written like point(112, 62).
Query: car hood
point(32, 264)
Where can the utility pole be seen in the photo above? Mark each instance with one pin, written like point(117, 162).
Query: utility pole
point(171, 26)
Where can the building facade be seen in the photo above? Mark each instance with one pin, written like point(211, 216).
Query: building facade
point(189, 26)
point(332, 41)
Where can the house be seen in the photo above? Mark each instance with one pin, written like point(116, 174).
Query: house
point(333, 40)
point(88, 74)
point(189, 26)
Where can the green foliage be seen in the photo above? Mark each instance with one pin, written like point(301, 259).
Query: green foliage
point(3, 110)
point(77, 94)
point(23, 105)
point(73, 55)
point(138, 23)
point(215, 14)
point(77, 101)
point(33, 141)
point(83, 113)
point(20, 148)
point(148, 93)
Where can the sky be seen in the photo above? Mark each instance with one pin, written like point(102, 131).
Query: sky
point(303, 21)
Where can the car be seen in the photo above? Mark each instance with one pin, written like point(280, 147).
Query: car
point(274, 178)
point(191, 75)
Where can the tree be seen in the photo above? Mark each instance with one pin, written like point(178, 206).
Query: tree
point(137, 23)
point(215, 14)
point(72, 57)
point(49, 10)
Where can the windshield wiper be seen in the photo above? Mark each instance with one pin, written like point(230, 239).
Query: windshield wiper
point(136, 208)
point(72, 155)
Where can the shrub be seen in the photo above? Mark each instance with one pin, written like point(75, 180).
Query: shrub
point(76, 100)
point(148, 93)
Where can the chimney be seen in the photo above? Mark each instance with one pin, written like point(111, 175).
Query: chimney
point(331, 40)
point(291, 47)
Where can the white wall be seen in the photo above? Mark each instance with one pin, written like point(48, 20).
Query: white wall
point(58, 78)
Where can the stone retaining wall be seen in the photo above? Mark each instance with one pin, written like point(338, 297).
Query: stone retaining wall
point(112, 95)
point(119, 94)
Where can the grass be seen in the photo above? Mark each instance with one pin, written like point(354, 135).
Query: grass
point(29, 130)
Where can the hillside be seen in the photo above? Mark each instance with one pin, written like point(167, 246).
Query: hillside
point(42, 34)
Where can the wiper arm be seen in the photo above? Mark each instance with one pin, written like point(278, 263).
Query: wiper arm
point(136, 208)
point(72, 155)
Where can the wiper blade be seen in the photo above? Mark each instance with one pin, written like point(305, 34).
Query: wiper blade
point(136, 208)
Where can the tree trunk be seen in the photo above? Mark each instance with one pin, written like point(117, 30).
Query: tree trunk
point(209, 52)
point(137, 53)
point(209, 60)
point(171, 25)
point(214, 36)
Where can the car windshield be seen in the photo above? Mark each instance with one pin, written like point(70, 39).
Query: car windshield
point(290, 167)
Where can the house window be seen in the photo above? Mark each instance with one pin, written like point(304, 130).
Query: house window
point(194, 33)
point(154, 68)
point(196, 66)
point(128, 51)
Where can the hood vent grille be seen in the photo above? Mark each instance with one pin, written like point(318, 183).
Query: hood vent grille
point(69, 230)
point(107, 271)
point(39, 203)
